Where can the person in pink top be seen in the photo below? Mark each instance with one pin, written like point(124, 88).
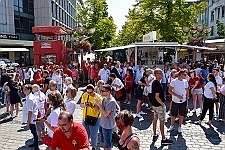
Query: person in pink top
point(92, 74)
point(75, 77)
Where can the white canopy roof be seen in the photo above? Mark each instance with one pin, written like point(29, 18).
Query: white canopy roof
point(14, 50)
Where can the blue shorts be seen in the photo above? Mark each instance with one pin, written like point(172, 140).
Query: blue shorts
point(106, 136)
point(164, 85)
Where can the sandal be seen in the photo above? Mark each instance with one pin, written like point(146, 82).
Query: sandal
point(197, 123)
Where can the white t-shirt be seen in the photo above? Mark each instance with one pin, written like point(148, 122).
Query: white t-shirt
point(138, 74)
point(170, 79)
point(118, 82)
point(179, 87)
point(70, 105)
point(222, 88)
point(207, 92)
point(40, 102)
point(54, 77)
point(53, 120)
point(149, 88)
point(218, 81)
point(59, 79)
point(104, 74)
point(31, 105)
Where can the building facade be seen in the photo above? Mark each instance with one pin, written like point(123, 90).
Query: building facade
point(17, 17)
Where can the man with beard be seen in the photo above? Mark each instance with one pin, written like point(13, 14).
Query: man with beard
point(69, 135)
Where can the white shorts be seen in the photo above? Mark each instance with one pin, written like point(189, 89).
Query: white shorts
point(145, 92)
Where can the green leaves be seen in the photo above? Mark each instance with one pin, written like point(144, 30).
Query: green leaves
point(95, 14)
point(167, 17)
point(220, 28)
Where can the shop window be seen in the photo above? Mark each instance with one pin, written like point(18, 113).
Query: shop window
point(212, 16)
point(223, 11)
point(48, 58)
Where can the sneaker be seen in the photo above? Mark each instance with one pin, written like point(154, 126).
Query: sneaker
point(179, 130)
point(125, 102)
point(194, 110)
point(166, 142)
point(155, 137)
point(129, 103)
point(171, 128)
point(177, 118)
point(200, 111)
point(138, 115)
point(146, 105)
point(143, 104)
point(143, 113)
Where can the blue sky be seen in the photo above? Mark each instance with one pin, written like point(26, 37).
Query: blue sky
point(118, 9)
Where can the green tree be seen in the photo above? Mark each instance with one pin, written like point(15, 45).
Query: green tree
point(167, 17)
point(95, 14)
point(220, 28)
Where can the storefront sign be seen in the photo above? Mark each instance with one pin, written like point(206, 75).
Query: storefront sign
point(8, 36)
point(46, 44)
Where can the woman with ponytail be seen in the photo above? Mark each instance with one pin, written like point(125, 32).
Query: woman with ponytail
point(209, 97)
point(56, 101)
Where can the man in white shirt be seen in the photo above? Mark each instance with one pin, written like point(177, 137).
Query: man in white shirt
point(180, 95)
point(104, 73)
point(219, 82)
point(138, 74)
point(32, 109)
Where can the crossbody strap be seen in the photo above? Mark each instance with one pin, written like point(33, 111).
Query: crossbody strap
point(87, 107)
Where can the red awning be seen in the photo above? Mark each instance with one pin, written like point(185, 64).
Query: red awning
point(49, 30)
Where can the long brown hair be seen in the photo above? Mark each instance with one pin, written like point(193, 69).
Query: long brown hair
point(57, 100)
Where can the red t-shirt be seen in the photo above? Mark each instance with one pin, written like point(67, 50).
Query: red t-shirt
point(128, 78)
point(77, 140)
point(193, 80)
point(68, 72)
point(37, 79)
point(96, 72)
point(84, 68)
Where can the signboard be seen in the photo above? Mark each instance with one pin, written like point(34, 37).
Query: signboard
point(8, 36)
point(149, 37)
point(46, 44)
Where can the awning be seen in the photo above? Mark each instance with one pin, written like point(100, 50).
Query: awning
point(14, 50)
point(200, 48)
point(50, 30)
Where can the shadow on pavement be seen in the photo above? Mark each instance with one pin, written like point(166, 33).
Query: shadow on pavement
point(24, 128)
point(212, 135)
point(6, 120)
point(4, 115)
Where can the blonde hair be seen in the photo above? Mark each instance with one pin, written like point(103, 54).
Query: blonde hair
point(100, 82)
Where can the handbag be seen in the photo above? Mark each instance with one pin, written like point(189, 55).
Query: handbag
point(90, 120)
point(118, 94)
point(47, 140)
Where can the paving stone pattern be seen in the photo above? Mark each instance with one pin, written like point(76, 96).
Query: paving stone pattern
point(15, 136)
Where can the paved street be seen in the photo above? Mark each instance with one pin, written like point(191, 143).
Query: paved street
point(15, 136)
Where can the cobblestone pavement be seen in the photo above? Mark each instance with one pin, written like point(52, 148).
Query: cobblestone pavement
point(15, 136)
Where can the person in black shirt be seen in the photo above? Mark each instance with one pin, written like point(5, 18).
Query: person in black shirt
point(46, 81)
point(159, 107)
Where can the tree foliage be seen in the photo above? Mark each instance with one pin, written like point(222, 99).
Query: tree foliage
point(167, 17)
point(95, 14)
point(220, 28)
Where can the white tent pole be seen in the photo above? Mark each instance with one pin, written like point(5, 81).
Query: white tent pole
point(136, 56)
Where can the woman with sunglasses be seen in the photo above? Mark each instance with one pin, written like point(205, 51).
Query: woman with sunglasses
point(91, 111)
point(128, 140)
point(71, 93)
point(56, 101)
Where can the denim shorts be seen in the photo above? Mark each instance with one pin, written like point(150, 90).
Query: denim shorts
point(164, 85)
point(40, 126)
point(106, 136)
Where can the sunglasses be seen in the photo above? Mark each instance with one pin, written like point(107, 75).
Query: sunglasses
point(89, 93)
point(103, 91)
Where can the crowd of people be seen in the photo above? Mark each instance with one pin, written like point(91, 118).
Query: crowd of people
point(50, 100)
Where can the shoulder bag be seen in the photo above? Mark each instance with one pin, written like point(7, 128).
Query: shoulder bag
point(90, 120)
